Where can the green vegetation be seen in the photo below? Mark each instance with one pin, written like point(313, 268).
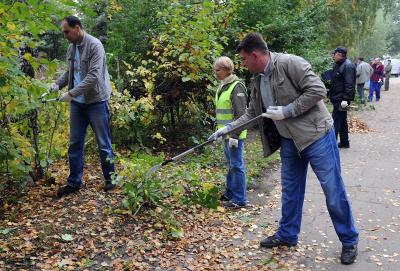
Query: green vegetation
point(195, 180)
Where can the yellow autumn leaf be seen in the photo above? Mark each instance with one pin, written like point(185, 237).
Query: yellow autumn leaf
point(27, 56)
point(220, 209)
point(26, 152)
point(207, 186)
point(2, 70)
point(11, 26)
point(11, 106)
point(6, 88)
point(149, 85)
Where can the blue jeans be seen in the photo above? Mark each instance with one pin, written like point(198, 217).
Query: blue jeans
point(375, 86)
point(81, 115)
point(323, 155)
point(236, 177)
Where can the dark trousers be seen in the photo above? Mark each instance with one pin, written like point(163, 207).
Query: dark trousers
point(387, 78)
point(340, 123)
point(360, 90)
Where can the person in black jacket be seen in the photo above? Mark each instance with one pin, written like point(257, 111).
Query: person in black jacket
point(342, 92)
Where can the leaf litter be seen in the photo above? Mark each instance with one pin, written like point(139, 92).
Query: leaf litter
point(83, 232)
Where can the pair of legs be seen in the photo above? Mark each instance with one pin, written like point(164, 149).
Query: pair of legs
point(323, 156)
point(374, 87)
point(340, 122)
point(81, 116)
point(387, 78)
point(360, 90)
point(236, 176)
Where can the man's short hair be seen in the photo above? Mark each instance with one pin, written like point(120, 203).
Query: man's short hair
point(361, 58)
point(251, 42)
point(73, 21)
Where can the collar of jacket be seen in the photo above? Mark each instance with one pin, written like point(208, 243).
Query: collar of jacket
point(84, 40)
point(257, 76)
point(231, 78)
point(342, 61)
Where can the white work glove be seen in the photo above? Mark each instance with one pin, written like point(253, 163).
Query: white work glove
point(65, 97)
point(219, 133)
point(344, 104)
point(54, 87)
point(275, 113)
point(233, 143)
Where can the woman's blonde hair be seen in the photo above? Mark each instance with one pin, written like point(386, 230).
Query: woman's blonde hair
point(225, 62)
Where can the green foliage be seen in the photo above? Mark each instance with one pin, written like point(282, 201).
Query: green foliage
point(375, 45)
point(206, 196)
point(132, 118)
point(132, 179)
point(131, 25)
point(198, 180)
point(179, 66)
point(18, 92)
point(168, 73)
point(393, 37)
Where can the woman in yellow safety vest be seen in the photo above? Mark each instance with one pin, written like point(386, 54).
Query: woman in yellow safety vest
point(230, 104)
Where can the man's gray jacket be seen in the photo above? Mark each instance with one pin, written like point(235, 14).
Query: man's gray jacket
point(95, 84)
point(296, 86)
point(363, 72)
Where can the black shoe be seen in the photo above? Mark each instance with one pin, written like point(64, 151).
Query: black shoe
point(66, 190)
point(349, 254)
point(109, 186)
point(273, 241)
point(224, 198)
point(343, 146)
point(232, 205)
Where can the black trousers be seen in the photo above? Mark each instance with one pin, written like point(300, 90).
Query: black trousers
point(340, 123)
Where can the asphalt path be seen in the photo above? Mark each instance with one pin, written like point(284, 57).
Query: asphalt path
point(371, 172)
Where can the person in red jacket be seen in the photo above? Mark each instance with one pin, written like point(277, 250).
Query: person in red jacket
point(376, 80)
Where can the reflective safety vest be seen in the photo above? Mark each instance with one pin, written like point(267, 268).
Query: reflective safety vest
point(224, 109)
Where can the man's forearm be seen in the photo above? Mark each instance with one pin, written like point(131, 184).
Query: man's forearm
point(62, 81)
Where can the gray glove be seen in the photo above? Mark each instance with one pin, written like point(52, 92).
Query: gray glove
point(54, 87)
point(220, 132)
point(65, 97)
point(275, 112)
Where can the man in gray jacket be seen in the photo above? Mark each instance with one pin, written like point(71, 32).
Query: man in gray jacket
point(285, 87)
point(363, 73)
point(88, 92)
